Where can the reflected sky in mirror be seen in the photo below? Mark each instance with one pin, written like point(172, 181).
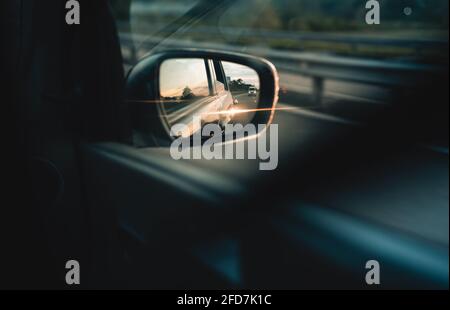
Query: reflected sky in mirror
point(235, 72)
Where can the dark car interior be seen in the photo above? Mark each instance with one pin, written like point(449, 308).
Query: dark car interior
point(78, 187)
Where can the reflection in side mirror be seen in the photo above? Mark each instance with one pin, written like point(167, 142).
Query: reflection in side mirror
point(195, 88)
point(195, 92)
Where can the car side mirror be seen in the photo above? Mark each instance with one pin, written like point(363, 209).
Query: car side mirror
point(177, 93)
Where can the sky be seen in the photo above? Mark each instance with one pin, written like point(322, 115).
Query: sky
point(235, 72)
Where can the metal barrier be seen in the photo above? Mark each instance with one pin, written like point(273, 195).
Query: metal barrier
point(319, 67)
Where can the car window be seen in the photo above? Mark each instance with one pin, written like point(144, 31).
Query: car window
point(184, 88)
point(148, 16)
point(140, 23)
point(325, 26)
point(335, 27)
point(183, 79)
point(315, 45)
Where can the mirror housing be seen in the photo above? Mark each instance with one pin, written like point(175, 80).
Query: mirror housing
point(144, 99)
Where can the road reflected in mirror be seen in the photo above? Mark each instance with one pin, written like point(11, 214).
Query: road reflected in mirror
point(244, 87)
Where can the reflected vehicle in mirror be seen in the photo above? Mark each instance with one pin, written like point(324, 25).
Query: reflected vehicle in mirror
point(191, 89)
point(195, 92)
point(252, 91)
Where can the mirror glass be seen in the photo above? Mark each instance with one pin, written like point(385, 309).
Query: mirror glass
point(195, 92)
